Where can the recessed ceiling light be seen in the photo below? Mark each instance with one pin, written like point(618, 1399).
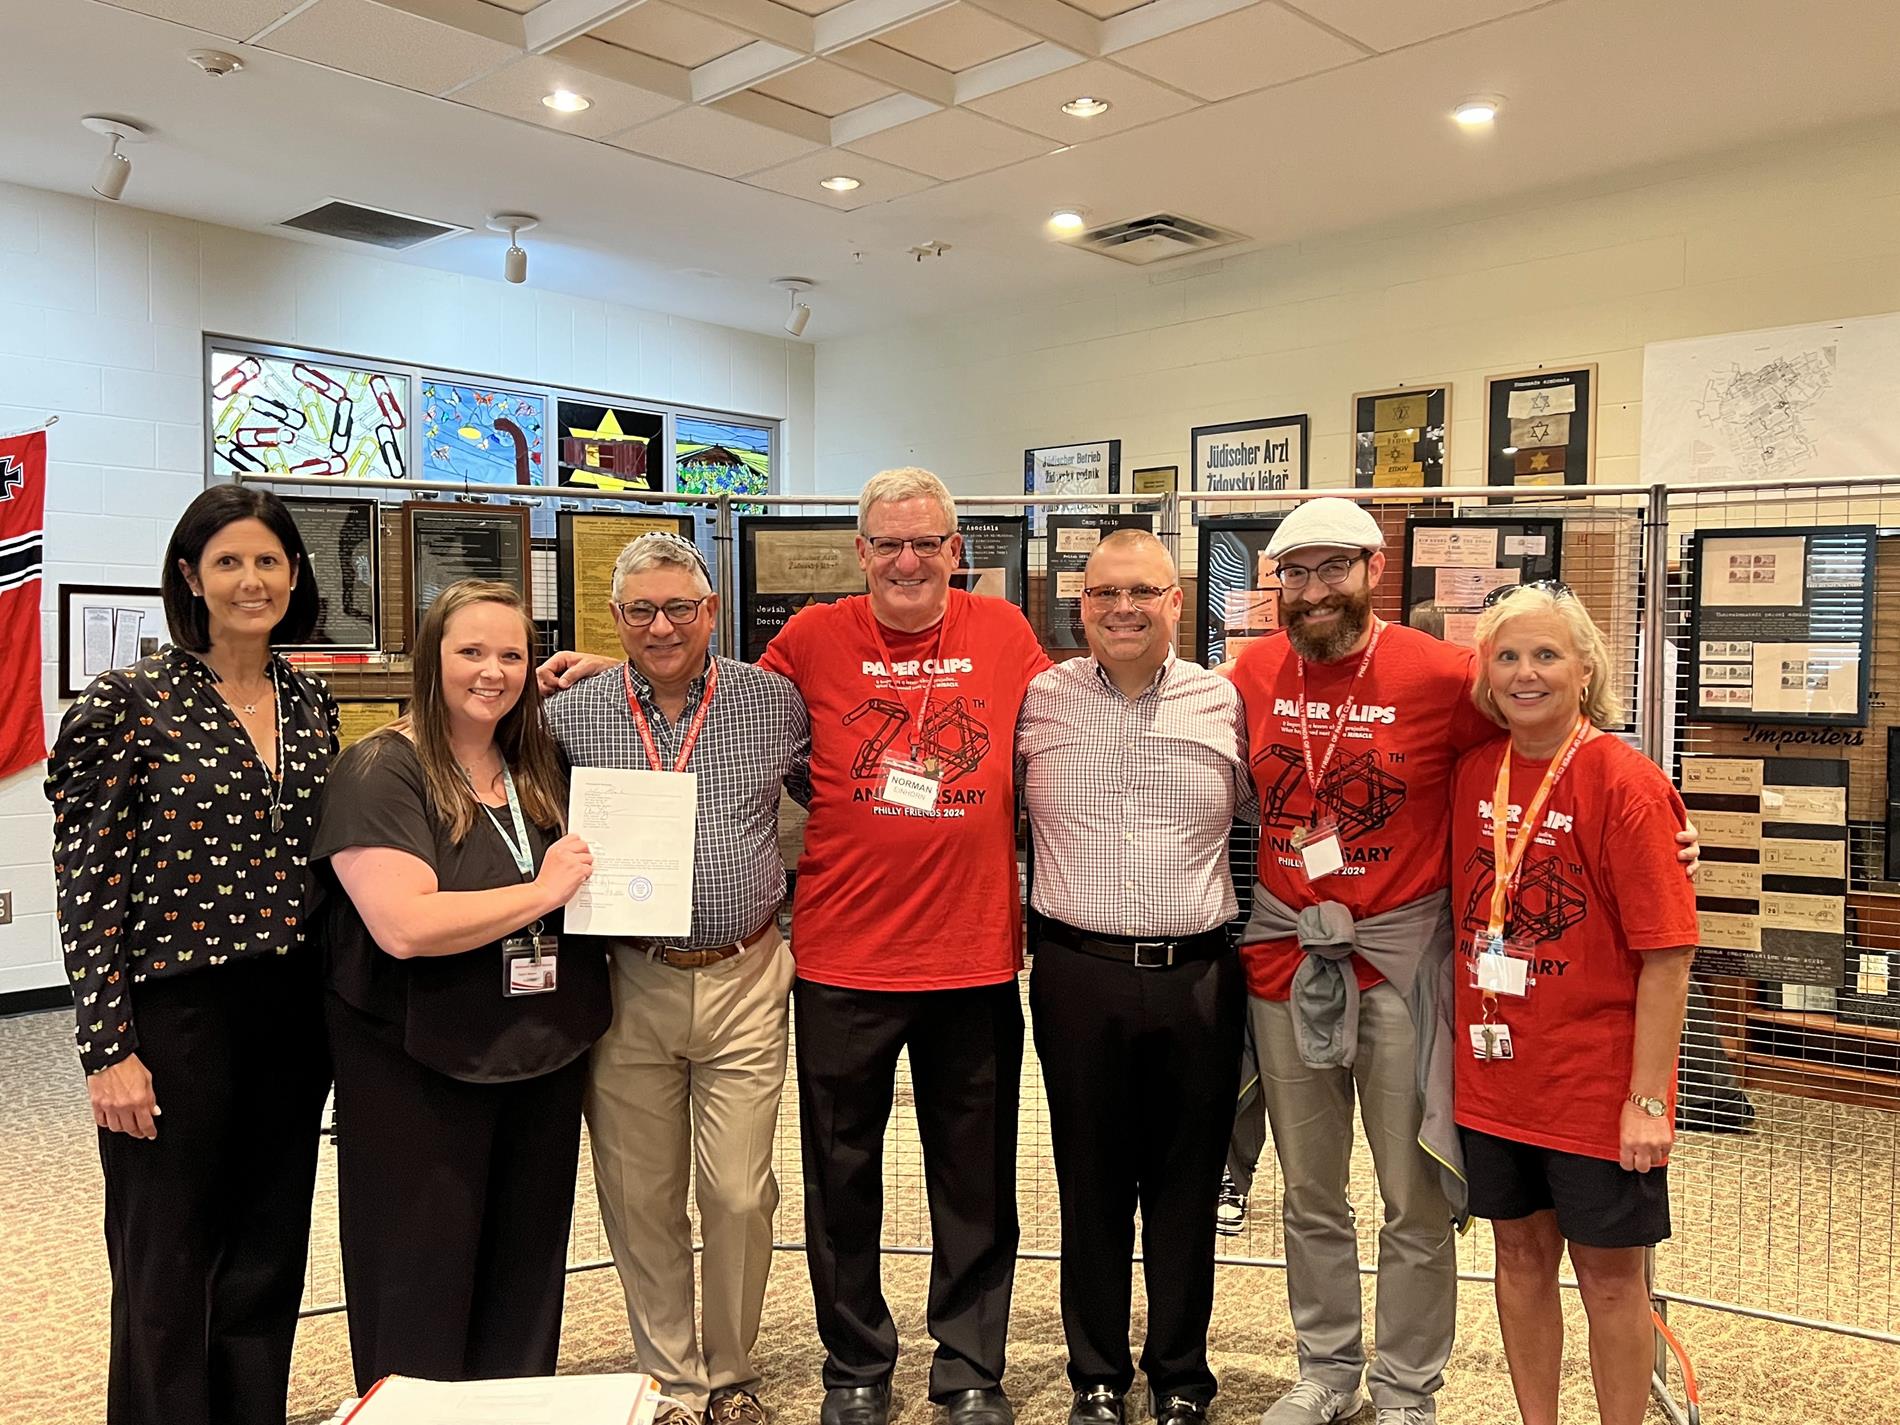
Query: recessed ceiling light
point(1067, 220)
point(566, 101)
point(1477, 111)
point(839, 183)
point(1085, 106)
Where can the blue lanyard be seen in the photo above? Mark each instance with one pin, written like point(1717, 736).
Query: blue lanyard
point(518, 845)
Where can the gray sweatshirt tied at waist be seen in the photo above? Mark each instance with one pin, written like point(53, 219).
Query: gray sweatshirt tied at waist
point(1410, 945)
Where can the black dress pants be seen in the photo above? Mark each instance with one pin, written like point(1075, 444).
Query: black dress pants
point(966, 1054)
point(1141, 1067)
point(208, 1224)
point(453, 1203)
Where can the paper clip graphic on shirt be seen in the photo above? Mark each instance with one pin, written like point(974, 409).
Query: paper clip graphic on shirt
point(1359, 793)
point(955, 739)
point(871, 751)
point(1546, 904)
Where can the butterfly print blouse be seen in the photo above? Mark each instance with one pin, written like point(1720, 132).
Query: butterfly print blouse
point(164, 855)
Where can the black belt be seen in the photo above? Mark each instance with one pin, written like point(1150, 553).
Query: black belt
point(1146, 954)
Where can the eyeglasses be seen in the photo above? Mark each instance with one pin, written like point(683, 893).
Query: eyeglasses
point(1556, 588)
point(679, 612)
point(924, 546)
point(1333, 571)
point(1104, 597)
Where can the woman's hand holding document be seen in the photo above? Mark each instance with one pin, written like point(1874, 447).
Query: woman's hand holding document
point(640, 828)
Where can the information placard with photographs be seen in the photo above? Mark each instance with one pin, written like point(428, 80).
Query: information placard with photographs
point(342, 540)
point(1541, 428)
point(1072, 539)
point(587, 546)
point(1452, 564)
point(1782, 625)
point(444, 544)
point(1247, 455)
point(1237, 593)
point(1400, 437)
point(787, 562)
point(1091, 472)
point(995, 557)
point(105, 626)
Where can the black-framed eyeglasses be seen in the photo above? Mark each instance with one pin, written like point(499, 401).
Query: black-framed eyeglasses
point(1556, 588)
point(679, 612)
point(1105, 597)
point(924, 546)
point(1331, 572)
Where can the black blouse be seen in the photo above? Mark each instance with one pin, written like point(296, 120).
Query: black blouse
point(165, 858)
point(447, 1011)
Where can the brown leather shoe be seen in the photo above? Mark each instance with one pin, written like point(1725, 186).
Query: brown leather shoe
point(734, 1406)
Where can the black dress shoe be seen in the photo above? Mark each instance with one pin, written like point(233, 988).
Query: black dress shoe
point(1098, 1405)
point(856, 1405)
point(1179, 1410)
point(980, 1407)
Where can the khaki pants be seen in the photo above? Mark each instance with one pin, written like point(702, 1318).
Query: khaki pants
point(694, 1057)
point(1310, 1111)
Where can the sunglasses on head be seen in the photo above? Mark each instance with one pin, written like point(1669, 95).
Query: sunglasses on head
point(1556, 588)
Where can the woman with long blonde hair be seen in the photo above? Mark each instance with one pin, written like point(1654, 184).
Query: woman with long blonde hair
point(459, 1019)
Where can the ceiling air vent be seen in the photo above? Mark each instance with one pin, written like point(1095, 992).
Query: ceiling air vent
point(352, 222)
point(1144, 241)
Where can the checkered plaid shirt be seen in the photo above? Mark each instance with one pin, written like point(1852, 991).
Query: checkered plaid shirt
point(756, 737)
point(1131, 800)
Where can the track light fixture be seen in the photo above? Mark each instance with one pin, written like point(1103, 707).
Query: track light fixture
point(115, 169)
point(800, 314)
point(514, 265)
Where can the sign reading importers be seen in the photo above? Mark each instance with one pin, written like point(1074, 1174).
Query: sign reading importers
point(1249, 455)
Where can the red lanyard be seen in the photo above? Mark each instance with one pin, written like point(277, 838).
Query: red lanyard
point(890, 664)
point(692, 731)
point(1508, 855)
point(1314, 773)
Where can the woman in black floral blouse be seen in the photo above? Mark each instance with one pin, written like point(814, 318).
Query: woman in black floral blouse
point(184, 789)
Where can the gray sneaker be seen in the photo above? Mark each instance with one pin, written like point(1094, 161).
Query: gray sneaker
point(1408, 1415)
point(1310, 1403)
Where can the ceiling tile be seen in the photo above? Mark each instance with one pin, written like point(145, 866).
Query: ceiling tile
point(668, 32)
point(1106, 9)
point(952, 144)
point(391, 45)
point(1037, 105)
point(812, 7)
point(878, 182)
point(520, 7)
point(713, 141)
point(517, 91)
point(233, 19)
point(957, 38)
point(1221, 58)
point(827, 89)
point(1384, 25)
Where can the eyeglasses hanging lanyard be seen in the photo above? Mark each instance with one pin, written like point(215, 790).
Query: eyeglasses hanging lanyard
point(518, 845)
point(1508, 853)
point(692, 732)
point(930, 676)
point(1315, 772)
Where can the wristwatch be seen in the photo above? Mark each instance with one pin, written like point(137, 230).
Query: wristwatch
point(1654, 1107)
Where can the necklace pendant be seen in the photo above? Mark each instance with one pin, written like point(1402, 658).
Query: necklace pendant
point(276, 818)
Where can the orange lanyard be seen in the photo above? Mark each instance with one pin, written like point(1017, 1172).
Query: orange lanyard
point(1508, 853)
point(1314, 773)
point(692, 731)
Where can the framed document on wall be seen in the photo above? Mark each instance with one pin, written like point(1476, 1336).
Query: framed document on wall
point(1072, 539)
point(1452, 564)
point(787, 562)
point(1248, 455)
point(1400, 437)
point(1091, 472)
point(1238, 590)
point(343, 541)
point(104, 626)
point(1541, 427)
point(995, 557)
point(586, 547)
point(443, 544)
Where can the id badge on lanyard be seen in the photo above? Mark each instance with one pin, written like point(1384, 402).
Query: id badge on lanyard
point(530, 957)
point(904, 781)
point(1321, 849)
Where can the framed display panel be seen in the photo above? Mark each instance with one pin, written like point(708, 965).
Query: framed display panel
point(443, 544)
point(1155, 480)
point(1451, 564)
point(1072, 538)
point(357, 718)
point(1541, 427)
point(343, 539)
point(306, 414)
point(1400, 437)
point(610, 446)
point(712, 457)
point(995, 557)
point(1781, 625)
point(106, 626)
point(1090, 472)
point(1237, 593)
point(1266, 454)
point(482, 435)
point(587, 546)
point(787, 562)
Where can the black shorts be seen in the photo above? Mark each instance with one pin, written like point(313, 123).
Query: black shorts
point(1598, 1202)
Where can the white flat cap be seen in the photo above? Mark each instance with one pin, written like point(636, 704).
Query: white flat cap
point(1326, 520)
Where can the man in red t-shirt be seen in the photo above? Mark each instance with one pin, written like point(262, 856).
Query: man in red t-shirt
point(907, 932)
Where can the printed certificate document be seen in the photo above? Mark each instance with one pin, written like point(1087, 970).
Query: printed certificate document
point(640, 826)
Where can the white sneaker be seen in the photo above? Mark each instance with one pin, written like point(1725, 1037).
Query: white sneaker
point(1230, 1212)
point(1408, 1415)
point(1310, 1403)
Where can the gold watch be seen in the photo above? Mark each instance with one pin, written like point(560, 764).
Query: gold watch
point(1654, 1107)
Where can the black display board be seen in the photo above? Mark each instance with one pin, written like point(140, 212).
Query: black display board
point(1540, 427)
point(787, 562)
point(587, 547)
point(1236, 595)
point(1071, 539)
point(342, 539)
point(444, 543)
point(1781, 624)
point(995, 557)
point(1451, 564)
point(1399, 437)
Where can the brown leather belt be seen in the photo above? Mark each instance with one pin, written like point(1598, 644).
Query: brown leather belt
point(700, 959)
